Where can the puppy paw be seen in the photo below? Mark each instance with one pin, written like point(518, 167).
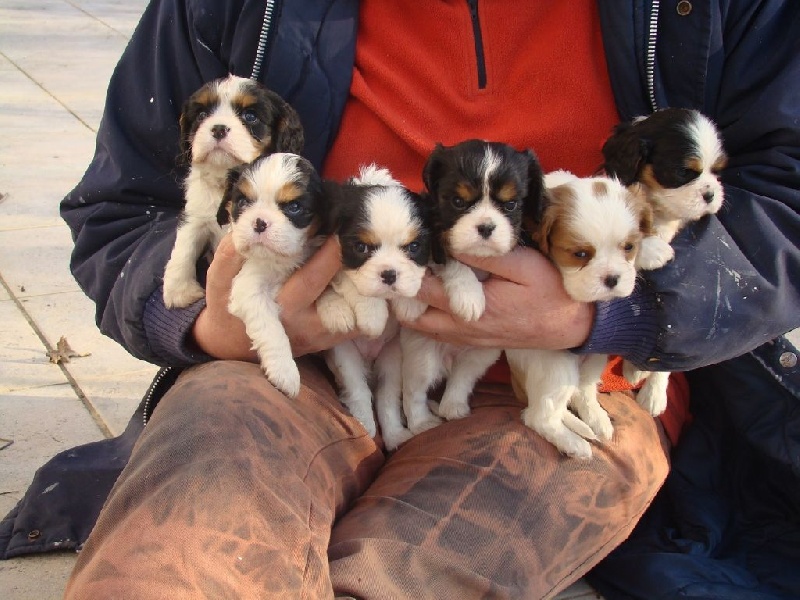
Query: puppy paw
point(451, 409)
point(284, 376)
point(394, 437)
point(654, 253)
point(408, 309)
point(592, 414)
point(422, 422)
point(335, 313)
point(555, 431)
point(371, 316)
point(181, 295)
point(365, 417)
point(467, 300)
point(653, 394)
point(631, 373)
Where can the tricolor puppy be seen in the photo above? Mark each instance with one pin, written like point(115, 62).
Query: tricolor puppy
point(591, 229)
point(276, 207)
point(385, 235)
point(479, 191)
point(226, 123)
point(674, 157)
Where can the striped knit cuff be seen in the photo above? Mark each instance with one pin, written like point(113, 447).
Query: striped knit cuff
point(626, 327)
point(169, 331)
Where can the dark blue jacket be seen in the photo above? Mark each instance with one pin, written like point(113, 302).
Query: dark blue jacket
point(732, 287)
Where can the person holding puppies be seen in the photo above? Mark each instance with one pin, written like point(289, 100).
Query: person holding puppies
point(234, 489)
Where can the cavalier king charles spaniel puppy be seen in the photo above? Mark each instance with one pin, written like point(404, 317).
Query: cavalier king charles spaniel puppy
point(226, 123)
point(479, 191)
point(276, 207)
point(591, 229)
point(385, 235)
point(674, 158)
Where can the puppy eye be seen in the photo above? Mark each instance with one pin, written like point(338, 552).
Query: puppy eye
point(510, 205)
point(628, 247)
point(361, 247)
point(249, 117)
point(202, 116)
point(580, 254)
point(292, 208)
point(458, 202)
point(412, 247)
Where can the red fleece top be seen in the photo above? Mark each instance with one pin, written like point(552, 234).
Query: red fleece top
point(546, 88)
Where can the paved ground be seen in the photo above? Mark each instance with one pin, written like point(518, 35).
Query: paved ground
point(55, 60)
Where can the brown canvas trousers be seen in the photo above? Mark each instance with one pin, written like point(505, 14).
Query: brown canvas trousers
point(235, 491)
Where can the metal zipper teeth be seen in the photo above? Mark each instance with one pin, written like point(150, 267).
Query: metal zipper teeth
point(150, 392)
point(651, 54)
point(262, 39)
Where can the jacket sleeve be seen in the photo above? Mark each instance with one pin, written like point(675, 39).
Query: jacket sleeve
point(123, 213)
point(734, 283)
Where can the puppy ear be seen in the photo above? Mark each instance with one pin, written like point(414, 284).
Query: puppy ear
point(333, 206)
point(432, 171)
point(533, 203)
point(625, 153)
point(554, 200)
point(184, 158)
point(644, 209)
point(225, 206)
point(287, 131)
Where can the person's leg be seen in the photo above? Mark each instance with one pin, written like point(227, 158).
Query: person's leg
point(231, 492)
point(482, 507)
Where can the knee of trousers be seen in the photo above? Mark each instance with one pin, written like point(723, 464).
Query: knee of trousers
point(488, 499)
point(227, 411)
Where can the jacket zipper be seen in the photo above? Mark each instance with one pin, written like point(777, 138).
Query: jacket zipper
point(477, 34)
point(263, 37)
point(650, 58)
point(146, 410)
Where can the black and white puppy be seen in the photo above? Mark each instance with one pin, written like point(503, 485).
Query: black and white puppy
point(479, 191)
point(674, 158)
point(276, 207)
point(385, 235)
point(226, 123)
point(591, 229)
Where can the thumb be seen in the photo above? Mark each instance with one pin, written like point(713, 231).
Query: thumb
point(310, 280)
point(227, 262)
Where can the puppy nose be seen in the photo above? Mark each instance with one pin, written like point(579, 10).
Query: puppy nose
point(389, 276)
point(260, 226)
point(219, 131)
point(611, 281)
point(485, 230)
point(708, 197)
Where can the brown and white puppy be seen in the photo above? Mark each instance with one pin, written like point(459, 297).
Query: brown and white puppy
point(276, 208)
point(591, 228)
point(674, 158)
point(385, 235)
point(479, 191)
point(226, 123)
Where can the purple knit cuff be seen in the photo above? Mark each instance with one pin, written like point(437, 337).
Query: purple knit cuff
point(627, 327)
point(169, 331)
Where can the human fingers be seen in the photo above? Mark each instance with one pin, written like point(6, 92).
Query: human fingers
point(309, 281)
point(224, 267)
point(432, 292)
point(521, 265)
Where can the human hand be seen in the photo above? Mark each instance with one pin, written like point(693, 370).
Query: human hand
point(526, 307)
point(221, 335)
